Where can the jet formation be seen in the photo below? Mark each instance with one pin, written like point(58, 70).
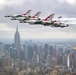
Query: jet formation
point(34, 20)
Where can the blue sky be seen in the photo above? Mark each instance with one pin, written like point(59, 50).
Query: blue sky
point(66, 8)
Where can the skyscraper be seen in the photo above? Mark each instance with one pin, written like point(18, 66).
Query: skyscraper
point(17, 44)
point(1, 49)
point(30, 52)
point(46, 47)
point(17, 40)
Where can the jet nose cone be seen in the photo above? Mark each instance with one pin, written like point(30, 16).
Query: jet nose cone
point(5, 16)
point(67, 25)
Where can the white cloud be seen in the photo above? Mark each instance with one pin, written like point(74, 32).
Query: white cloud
point(5, 27)
point(2, 1)
point(47, 34)
point(28, 31)
point(72, 2)
point(13, 3)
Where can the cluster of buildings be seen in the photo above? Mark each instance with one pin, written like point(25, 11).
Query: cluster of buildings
point(33, 55)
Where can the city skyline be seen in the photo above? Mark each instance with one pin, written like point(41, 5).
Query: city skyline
point(7, 26)
point(37, 49)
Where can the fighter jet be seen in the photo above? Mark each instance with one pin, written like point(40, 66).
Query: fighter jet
point(62, 25)
point(47, 21)
point(19, 17)
point(31, 19)
point(36, 16)
point(59, 24)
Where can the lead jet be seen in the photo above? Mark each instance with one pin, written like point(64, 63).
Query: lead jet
point(31, 18)
point(19, 17)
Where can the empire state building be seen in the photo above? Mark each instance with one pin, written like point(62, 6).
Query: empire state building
point(17, 40)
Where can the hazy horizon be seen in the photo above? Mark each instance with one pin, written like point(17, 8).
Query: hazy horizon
point(11, 40)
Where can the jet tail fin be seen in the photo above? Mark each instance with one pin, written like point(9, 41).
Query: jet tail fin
point(49, 18)
point(27, 13)
point(36, 15)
